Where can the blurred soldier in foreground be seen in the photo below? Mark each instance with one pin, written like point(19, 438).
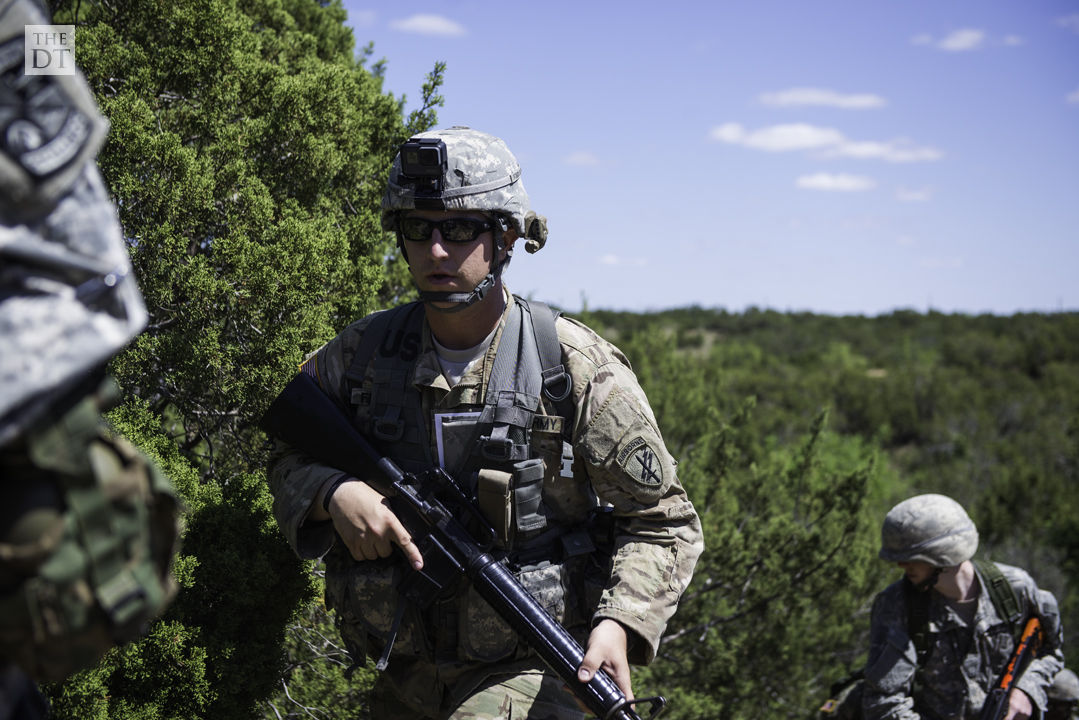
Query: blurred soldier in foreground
point(88, 526)
point(1064, 696)
point(941, 636)
point(539, 418)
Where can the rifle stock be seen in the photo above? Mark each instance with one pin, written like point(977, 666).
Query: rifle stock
point(996, 703)
point(443, 522)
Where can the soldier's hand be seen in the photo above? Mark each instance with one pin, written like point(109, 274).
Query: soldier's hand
point(367, 525)
point(607, 650)
point(1019, 706)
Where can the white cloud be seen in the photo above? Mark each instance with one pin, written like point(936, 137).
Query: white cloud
point(1014, 40)
point(895, 151)
point(582, 158)
point(906, 241)
point(829, 141)
point(961, 40)
point(1073, 97)
point(779, 138)
point(1069, 22)
point(904, 194)
point(423, 24)
point(796, 97)
point(836, 182)
point(922, 39)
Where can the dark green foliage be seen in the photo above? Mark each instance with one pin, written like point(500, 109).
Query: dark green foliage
point(788, 557)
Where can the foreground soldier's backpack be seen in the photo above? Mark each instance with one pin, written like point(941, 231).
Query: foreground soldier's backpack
point(845, 696)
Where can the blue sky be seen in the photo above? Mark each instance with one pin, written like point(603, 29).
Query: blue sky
point(834, 156)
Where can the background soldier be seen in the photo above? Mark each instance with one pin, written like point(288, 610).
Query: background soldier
point(575, 477)
point(940, 637)
point(1063, 696)
point(87, 525)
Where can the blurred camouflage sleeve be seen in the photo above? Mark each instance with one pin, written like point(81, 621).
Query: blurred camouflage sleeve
point(658, 538)
point(68, 298)
point(50, 127)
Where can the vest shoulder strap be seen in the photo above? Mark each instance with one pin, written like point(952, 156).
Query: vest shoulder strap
point(1000, 591)
point(557, 384)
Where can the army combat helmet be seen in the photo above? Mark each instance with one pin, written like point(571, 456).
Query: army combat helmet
point(1065, 687)
point(462, 169)
point(930, 528)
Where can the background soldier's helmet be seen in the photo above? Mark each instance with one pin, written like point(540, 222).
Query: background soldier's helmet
point(930, 528)
point(1065, 687)
point(472, 171)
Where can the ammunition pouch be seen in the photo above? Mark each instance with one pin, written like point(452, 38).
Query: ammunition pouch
point(511, 501)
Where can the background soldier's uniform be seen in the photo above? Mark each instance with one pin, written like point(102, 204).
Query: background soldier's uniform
point(613, 455)
point(87, 525)
point(963, 660)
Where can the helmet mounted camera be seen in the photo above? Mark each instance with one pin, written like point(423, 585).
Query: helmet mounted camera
point(424, 161)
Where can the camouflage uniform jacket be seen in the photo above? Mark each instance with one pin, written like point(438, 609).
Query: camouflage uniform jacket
point(618, 459)
point(963, 660)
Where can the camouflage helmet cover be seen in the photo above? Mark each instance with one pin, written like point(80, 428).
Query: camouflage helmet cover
point(930, 528)
point(1065, 687)
point(482, 174)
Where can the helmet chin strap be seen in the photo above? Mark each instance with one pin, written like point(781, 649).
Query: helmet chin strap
point(461, 300)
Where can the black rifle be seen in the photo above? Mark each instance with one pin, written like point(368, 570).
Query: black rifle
point(996, 703)
point(444, 523)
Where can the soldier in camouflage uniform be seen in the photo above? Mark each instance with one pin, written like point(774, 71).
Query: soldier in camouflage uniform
point(1064, 697)
point(932, 539)
point(87, 524)
point(607, 541)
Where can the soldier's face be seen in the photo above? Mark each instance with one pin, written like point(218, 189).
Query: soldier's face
point(438, 265)
point(916, 571)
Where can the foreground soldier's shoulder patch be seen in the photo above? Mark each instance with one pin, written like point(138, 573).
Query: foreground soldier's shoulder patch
point(642, 463)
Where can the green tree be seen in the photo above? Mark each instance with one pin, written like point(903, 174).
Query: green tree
point(982, 408)
point(767, 619)
point(247, 155)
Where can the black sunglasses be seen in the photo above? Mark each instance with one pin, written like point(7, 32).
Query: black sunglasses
point(454, 230)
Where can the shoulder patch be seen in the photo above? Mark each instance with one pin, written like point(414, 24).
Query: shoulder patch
point(641, 463)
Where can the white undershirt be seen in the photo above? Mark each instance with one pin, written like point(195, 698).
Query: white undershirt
point(455, 363)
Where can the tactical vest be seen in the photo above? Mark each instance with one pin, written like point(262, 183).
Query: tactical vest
point(500, 468)
point(557, 562)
